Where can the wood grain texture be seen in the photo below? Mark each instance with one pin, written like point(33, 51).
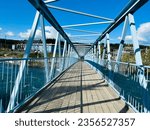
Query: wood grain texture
point(80, 90)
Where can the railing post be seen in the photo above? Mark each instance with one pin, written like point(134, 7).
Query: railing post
point(95, 53)
point(99, 51)
point(3, 68)
point(54, 55)
point(119, 54)
point(44, 47)
point(95, 50)
point(137, 51)
point(64, 54)
point(92, 53)
point(59, 51)
point(104, 51)
point(59, 46)
point(108, 51)
point(64, 48)
point(68, 55)
point(1, 106)
point(23, 63)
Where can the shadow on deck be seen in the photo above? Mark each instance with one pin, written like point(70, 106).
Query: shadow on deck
point(79, 90)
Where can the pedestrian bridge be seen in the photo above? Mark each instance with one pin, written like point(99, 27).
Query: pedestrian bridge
point(79, 77)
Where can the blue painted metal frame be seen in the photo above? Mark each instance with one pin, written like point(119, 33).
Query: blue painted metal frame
point(42, 8)
point(44, 47)
point(122, 41)
point(54, 55)
point(23, 64)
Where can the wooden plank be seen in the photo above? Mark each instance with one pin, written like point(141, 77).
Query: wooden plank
point(65, 95)
point(72, 87)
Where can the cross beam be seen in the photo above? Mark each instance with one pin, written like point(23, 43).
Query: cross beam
point(87, 24)
point(42, 8)
point(49, 1)
point(78, 12)
point(84, 31)
point(131, 7)
point(88, 35)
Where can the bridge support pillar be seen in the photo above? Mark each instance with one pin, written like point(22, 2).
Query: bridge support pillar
point(59, 46)
point(64, 54)
point(138, 59)
point(137, 51)
point(119, 54)
point(99, 51)
point(104, 51)
point(53, 58)
point(14, 93)
point(44, 47)
point(68, 55)
point(108, 51)
point(95, 51)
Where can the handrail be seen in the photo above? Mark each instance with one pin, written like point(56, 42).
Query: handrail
point(20, 59)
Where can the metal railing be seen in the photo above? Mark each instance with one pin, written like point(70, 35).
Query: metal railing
point(124, 79)
point(33, 79)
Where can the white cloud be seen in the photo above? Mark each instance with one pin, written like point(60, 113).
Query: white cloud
point(10, 34)
point(143, 34)
point(50, 33)
point(25, 35)
point(128, 38)
point(0, 28)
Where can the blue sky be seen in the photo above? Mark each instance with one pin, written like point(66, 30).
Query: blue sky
point(17, 17)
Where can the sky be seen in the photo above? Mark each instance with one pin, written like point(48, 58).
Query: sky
point(16, 18)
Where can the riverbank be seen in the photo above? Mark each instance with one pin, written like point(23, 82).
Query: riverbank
point(8, 53)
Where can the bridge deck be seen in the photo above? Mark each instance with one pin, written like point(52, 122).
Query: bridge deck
point(80, 89)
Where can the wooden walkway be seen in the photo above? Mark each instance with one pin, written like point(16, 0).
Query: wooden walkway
point(79, 90)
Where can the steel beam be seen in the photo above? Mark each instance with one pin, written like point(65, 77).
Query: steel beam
point(87, 24)
point(64, 54)
point(131, 7)
point(108, 47)
point(89, 35)
point(59, 50)
point(84, 31)
point(108, 51)
point(83, 41)
point(68, 55)
point(137, 51)
point(42, 8)
point(44, 47)
point(81, 38)
point(64, 49)
point(95, 51)
point(78, 12)
point(119, 54)
point(53, 58)
point(104, 52)
point(50, 1)
point(59, 46)
point(99, 50)
point(23, 63)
